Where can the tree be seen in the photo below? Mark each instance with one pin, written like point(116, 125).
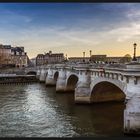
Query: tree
point(127, 58)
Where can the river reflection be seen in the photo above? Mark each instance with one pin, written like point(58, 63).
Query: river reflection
point(38, 111)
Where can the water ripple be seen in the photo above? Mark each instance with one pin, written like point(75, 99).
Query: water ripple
point(36, 111)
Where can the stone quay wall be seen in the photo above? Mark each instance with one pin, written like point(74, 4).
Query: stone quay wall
point(15, 79)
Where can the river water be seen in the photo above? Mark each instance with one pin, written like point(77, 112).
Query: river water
point(35, 110)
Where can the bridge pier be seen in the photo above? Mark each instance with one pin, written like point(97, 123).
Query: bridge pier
point(61, 82)
point(132, 116)
point(38, 74)
point(42, 75)
point(50, 81)
point(132, 110)
point(82, 91)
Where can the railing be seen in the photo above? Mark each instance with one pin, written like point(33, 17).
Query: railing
point(86, 65)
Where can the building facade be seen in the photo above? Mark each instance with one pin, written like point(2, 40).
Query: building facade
point(78, 59)
point(125, 59)
point(103, 58)
point(49, 58)
point(98, 58)
point(18, 57)
point(40, 60)
point(5, 53)
point(13, 56)
point(113, 59)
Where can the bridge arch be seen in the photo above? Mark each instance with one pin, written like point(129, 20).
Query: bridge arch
point(71, 82)
point(107, 90)
point(56, 74)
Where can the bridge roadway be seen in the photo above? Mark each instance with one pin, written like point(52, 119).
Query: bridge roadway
point(98, 83)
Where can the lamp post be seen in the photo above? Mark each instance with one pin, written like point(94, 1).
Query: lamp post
point(66, 58)
point(134, 56)
point(90, 53)
point(83, 56)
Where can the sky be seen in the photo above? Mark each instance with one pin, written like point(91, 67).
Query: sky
point(71, 28)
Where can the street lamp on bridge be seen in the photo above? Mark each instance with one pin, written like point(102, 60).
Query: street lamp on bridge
point(90, 53)
point(66, 58)
point(134, 56)
point(83, 56)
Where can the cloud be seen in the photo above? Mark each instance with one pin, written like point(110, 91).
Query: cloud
point(13, 19)
point(84, 34)
point(43, 38)
point(124, 33)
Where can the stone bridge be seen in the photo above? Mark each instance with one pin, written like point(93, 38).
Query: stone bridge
point(99, 83)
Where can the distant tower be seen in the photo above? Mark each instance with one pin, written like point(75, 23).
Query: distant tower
point(134, 57)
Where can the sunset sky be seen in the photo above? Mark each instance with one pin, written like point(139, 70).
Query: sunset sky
point(71, 28)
